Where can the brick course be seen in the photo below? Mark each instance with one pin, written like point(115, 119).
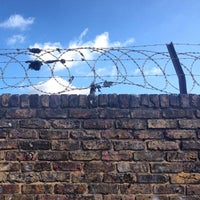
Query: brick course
point(107, 147)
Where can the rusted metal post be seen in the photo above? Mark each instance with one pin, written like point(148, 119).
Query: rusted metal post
point(178, 68)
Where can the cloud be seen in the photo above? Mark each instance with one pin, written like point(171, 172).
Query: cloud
point(56, 85)
point(149, 72)
point(17, 22)
point(16, 39)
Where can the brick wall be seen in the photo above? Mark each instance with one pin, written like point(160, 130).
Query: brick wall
point(108, 147)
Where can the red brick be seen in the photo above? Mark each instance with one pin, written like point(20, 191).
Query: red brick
point(163, 146)
point(37, 189)
point(128, 145)
point(9, 189)
point(85, 155)
point(116, 155)
point(135, 167)
point(53, 155)
point(21, 156)
point(103, 188)
point(135, 189)
point(70, 188)
point(99, 166)
point(67, 166)
point(96, 145)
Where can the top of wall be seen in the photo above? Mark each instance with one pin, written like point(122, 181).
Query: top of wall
point(103, 100)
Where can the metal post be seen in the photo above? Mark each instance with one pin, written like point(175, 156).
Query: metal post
point(178, 68)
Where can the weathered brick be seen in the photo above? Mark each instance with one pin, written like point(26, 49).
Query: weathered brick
point(184, 100)
point(116, 134)
point(85, 155)
point(116, 155)
point(6, 124)
point(128, 145)
point(96, 145)
point(154, 100)
point(8, 166)
point(191, 167)
point(3, 134)
point(35, 145)
point(37, 189)
point(131, 124)
point(119, 178)
point(124, 100)
point(53, 134)
point(164, 100)
point(185, 178)
point(134, 101)
point(138, 167)
point(54, 101)
point(79, 177)
point(28, 177)
point(145, 114)
point(53, 113)
point(34, 100)
point(180, 134)
point(44, 101)
point(14, 100)
point(103, 100)
point(97, 124)
point(144, 100)
point(193, 189)
point(20, 113)
point(18, 197)
point(135, 189)
point(67, 166)
point(174, 100)
point(37, 166)
point(64, 100)
point(162, 123)
point(73, 100)
point(85, 134)
point(119, 197)
point(23, 134)
point(83, 101)
point(151, 197)
point(66, 124)
point(34, 123)
point(70, 188)
point(166, 168)
point(189, 123)
point(113, 113)
point(151, 178)
point(83, 113)
point(5, 100)
point(148, 134)
point(178, 113)
point(54, 177)
point(169, 189)
point(9, 189)
point(182, 156)
point(149, 156)
point(191, 145)
point(163, 146)
point(195, 100)
point(2, 113)
point(24, 100)
point(20, 156)
point(63, 145)
point(103, 188)
point(53, 155)
point(113, 100)
point(99, 166)
point(8, 145)
point(51, 197)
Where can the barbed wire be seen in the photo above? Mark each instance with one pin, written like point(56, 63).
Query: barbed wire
point(90, 69)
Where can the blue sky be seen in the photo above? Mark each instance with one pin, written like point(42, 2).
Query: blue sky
point(97, 23)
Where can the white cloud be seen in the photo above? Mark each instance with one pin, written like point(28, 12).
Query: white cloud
point(16, 39)
point(56, 85)
point(149, 72)
point(18, 22)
